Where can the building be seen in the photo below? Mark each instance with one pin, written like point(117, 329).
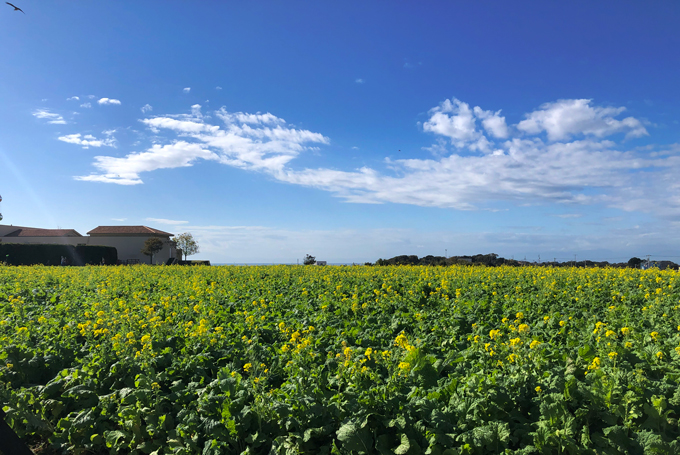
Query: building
point(128, 240)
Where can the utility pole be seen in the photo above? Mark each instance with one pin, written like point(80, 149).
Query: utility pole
point(446, 253)
point(574, 260)
point(539, 258)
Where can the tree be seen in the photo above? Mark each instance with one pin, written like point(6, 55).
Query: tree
point(152, 246)
point(309, 260)
point(634, 262)
point(187, 244)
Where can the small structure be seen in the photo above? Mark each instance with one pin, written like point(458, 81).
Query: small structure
point(320, 263)
point(128, 240)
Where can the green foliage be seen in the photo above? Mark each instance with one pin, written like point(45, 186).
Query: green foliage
point(187, 244)
point(309, 260)
point(341, 360)
point(152, 245)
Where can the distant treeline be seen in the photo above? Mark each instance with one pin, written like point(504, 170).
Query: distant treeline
point(493, 260)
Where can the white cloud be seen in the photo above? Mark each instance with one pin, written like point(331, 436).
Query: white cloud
point(569, 215)
point(119, 219)
point(88, 140)
point(492, 122)
point(147, 108)
point(166, 221)
point(482, 171)
point(51, 117)
point(455, 120)
point(126, 170)
point(91, 97)
point(260, 142)
point(218, 88)
point(86, 105)
point(359, 81)
point(186, 89)
point(76, 98)
point(108, 101)
point(566, 118)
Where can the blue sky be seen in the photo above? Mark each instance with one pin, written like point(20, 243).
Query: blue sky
point(348, 130)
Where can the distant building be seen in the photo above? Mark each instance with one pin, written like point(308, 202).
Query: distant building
point(128, 240)
point(320, 263)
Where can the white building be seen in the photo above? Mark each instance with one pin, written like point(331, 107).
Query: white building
point(128, 240)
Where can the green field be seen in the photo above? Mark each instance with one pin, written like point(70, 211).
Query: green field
point(286, 359)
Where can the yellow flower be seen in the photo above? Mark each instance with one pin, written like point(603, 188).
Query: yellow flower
point(404, 366)
point(519, 315)
point(538, 389)
point(368, 353)
point(610, 333)
point(562, 323)
point(534, 344)
point(612, 355)
point(654, 336)
point(625, 331)
point(523, 328)
point(659, 355)
point(494, 333)
point(155, 385)
point(595, 364)
point(515, 341)
point(247, 367)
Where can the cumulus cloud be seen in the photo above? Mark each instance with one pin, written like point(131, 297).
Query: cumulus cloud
point(455, 120)
point(186, 89)
point(146, 108)
point(492, 122)
point(104, 101)
point(51, 117)
point(87, 140)
point(566, 118)
point(76, 98)
point(480, 160)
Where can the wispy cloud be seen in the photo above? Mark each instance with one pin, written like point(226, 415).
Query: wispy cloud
point(76, 98)
point(87, 140)
point(119, 219)
point(51, 117)
point(147, 108)
point(105, 101)
point(186, 89)
point(166, 221)
point(218, 88)
point(359, 81)
point(569, 215)
point(563, 155)
point(86, 105)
